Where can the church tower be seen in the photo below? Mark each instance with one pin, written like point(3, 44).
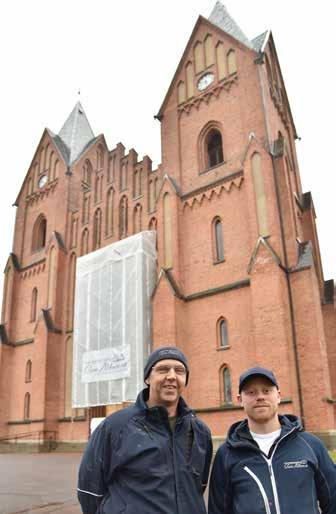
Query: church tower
point(240, 280)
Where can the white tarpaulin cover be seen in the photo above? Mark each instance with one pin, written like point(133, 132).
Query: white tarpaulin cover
point(112, 325)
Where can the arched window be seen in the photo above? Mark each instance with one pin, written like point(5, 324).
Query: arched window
point(123, 176)
point(74, 226)
point(56, 170)
point(222, 333)
point(87, 172)
point(231, 62)
point(86, 209)
point(140, 181)
point(199, 57)
point(181, 92)
point(208, 50)
point(152, 224)
point(30, 186)
point(71, 291)
point(218, 242)
point(28, 374)
point(137, 219)
point(111, 169)
point(109, 212)
point(39, 233)
point(26, 410)
point(33, 308)
point(227, 386)
point(52, 277)
point(100, 157)
point(214, 148)
point(85, 242)
point(221, 64)
point(135, 184)
point(260, 195)
point(42, 154)
point(167, 232)
point(123, 217)
point(97, 229)
point(97, 190)
point(190, 80)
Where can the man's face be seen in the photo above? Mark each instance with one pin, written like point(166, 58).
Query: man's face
point(260, 399)
point(167, 381)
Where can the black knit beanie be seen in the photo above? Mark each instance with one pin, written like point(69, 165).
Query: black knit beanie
point(165, 352)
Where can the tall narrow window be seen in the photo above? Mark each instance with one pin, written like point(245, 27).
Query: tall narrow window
point(87, 173)
point(190, 80)
point(223, 340)
point(86, 209)
point(214, 148)
point(42, 154)
point(51, 277)
point(151, 194)
point(123, 217)
point(100, 157)
point(218, 240)
point(109, 212)
point(123, 176)
point(26, 410)
point(135, 184)
point(167, 232)
point(28, 374)
point(33, 308)
point(208, 49)
point(97, 229)
point(56, 170)
point(181, 92)
point(85, 242)
point(74, 225)
point(30, 186)
point(259, 191)
point(137, 219)
point(140, 181)
point(220, 57)
point(7, 296)
point(231, 62)
point(152, 224)
point(39, 233)
point(71, 291)
point(227, 387)
point(199, 57)
point(68, 379)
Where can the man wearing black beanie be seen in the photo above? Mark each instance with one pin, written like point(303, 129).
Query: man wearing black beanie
point(152, 457)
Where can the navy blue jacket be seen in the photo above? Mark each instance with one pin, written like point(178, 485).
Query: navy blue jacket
point(295, 475)
point(134, 464)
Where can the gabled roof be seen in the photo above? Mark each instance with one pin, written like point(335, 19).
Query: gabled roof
point(222, 20)
point(75, 135)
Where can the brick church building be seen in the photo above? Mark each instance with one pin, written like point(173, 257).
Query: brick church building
point(239, 274)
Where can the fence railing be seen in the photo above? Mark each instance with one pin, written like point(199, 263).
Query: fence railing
point(47, 437)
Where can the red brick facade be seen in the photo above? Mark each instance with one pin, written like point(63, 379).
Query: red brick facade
point(240, 280)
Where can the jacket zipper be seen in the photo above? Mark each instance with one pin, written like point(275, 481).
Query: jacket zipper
point(261, 489)
point(270, 470)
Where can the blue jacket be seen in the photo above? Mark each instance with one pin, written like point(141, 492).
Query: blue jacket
point(134, 464)
point(295, 475)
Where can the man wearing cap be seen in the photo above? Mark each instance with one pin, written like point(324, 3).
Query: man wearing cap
point(268, 464)
point(153, 457)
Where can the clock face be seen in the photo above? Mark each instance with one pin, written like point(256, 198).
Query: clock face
point(205, 81)
point(43, 180)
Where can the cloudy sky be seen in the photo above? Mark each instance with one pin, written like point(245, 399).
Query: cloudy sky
point(122, 57)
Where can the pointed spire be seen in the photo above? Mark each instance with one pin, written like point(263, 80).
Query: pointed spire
point(76, 133)
point(221, 17)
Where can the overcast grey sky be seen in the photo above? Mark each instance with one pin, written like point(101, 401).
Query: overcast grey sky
point(122, 57)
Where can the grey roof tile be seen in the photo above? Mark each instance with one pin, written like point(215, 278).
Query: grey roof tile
point(75, 134)
point(221, 17)
point(258, 41)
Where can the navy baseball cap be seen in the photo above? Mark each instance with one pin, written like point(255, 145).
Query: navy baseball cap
point(166, 352)
point(257, 372)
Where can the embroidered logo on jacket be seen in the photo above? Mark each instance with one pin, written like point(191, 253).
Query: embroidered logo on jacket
point(295, 464)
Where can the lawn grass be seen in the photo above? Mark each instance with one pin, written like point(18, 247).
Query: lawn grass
point(333, 455)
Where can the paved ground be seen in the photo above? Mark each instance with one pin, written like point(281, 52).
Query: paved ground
point(39, 483)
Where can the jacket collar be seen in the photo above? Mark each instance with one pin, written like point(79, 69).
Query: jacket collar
point(159, 412)
point(239, 434)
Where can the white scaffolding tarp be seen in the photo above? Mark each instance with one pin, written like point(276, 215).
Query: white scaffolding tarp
point(112, 322)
